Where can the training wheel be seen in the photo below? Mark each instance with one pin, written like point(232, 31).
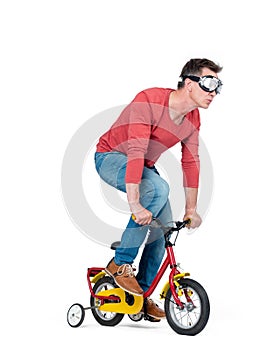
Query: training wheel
point(136, 317)
point(75, 315)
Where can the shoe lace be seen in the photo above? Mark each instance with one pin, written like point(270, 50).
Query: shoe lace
point(127, 269)
point(151, 302)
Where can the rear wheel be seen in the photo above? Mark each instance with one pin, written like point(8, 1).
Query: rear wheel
point(192, 319)
point(104, 318)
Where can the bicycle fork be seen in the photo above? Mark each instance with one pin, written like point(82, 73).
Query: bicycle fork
point(173, 277)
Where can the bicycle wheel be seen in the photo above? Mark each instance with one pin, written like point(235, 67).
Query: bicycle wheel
point(104, 318)
point(75, 315)
point(136, 317)
point(193, 318)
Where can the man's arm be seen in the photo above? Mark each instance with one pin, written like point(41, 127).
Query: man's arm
point(191, 196)
point(142, 215)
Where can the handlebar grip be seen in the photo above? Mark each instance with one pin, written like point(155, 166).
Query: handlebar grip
point(188, 221)
point(134, 217)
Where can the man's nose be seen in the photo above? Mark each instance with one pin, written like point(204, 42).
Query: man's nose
point(213, 93)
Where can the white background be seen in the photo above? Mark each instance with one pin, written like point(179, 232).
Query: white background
point(63, 62)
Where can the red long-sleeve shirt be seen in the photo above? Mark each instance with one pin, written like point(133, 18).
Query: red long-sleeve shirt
point(144, 130)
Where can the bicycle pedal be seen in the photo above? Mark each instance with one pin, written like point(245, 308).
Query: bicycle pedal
point(151, 319)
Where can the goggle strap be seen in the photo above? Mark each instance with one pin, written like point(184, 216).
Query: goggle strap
point(191, 77)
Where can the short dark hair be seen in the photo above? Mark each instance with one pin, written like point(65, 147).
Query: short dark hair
point(195, 66)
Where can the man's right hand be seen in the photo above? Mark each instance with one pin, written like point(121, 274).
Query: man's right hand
point(142, 216)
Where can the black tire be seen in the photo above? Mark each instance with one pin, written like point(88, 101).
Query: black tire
point(103, 317)
point(136, 317)
point(75, 315)
point(191, 320)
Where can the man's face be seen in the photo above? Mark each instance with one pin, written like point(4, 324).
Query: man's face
point(202, 98)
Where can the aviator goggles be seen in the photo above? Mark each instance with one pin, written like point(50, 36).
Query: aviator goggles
point(207, 83)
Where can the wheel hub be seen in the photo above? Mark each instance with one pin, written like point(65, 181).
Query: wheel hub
point(190, 306)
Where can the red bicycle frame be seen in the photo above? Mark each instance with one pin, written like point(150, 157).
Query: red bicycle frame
point(169, 260)
point(93, 271)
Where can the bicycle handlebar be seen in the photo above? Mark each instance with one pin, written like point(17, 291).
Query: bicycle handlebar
point(156, 223)
point(178, 225)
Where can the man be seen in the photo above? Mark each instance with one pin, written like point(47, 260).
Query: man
point(154, 121)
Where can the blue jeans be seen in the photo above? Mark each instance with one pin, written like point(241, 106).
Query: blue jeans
point(154, 191)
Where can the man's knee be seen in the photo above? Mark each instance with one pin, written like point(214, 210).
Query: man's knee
point(154, 191)
point(162, 190)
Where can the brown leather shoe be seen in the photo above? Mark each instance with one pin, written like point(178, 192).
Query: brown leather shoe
point(124, 277)
point(153, 310)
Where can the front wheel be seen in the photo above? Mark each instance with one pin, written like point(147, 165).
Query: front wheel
point(192, 319)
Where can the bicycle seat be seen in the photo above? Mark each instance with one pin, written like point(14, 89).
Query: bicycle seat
point(114, 245)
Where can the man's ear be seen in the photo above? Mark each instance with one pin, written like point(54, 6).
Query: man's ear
point(188, 84)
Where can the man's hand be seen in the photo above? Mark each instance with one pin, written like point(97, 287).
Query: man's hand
point(191, 195)
point(195, 219)
point(142, 215)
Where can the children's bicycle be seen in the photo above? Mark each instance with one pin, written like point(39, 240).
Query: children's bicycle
point(186, 303)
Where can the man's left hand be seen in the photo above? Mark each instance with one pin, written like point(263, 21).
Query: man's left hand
point(195, 219)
